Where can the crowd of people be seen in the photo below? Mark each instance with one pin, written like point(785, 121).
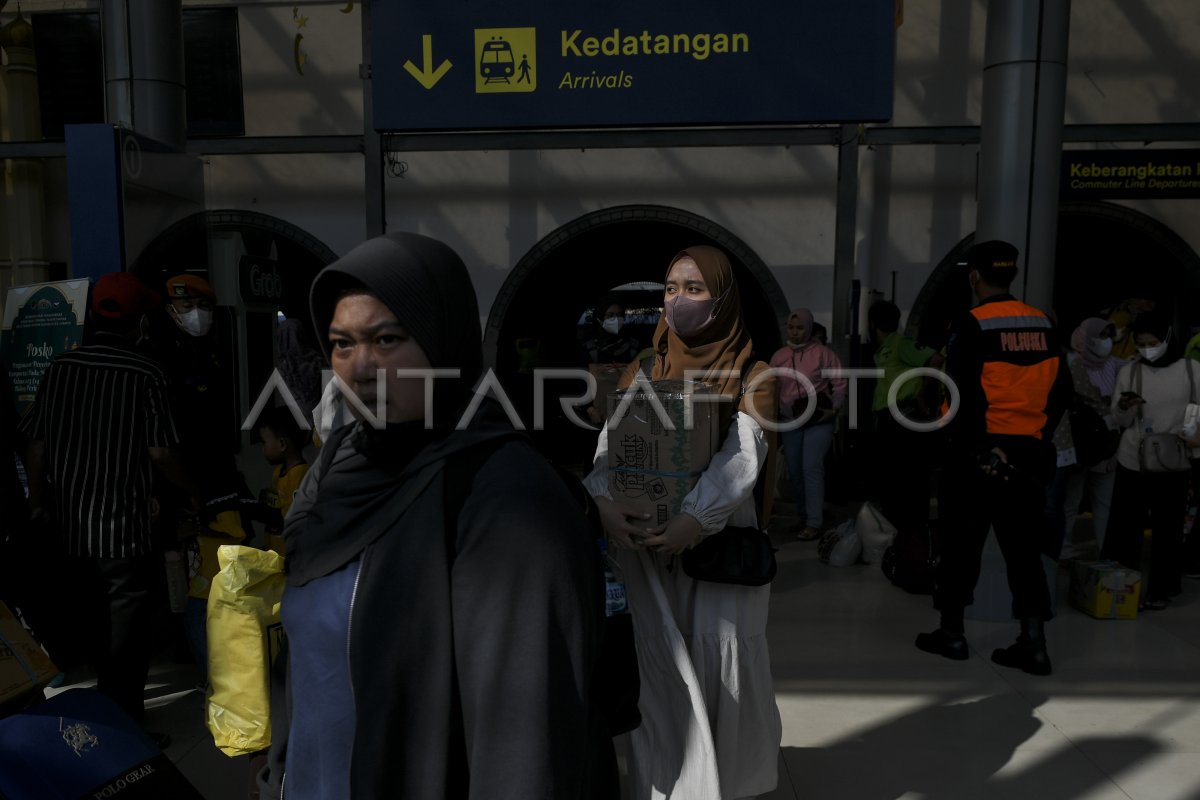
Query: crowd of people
point(129, 455)
point(445, 610)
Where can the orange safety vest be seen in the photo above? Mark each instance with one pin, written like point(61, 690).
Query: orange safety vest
point(1020, 365)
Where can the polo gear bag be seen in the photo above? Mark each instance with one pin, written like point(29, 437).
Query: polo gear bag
point(80, 744)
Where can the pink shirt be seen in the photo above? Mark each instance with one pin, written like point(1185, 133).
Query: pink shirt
point(810, 360)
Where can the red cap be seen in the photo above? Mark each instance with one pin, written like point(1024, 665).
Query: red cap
point(120, 294)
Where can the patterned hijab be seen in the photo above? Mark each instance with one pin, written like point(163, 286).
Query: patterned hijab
point(724, 346)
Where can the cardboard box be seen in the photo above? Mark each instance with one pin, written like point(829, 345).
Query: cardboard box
point(651, 467)
point(1105, 589)
point(24, 667)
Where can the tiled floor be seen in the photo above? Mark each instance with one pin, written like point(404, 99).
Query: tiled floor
point(866, 716)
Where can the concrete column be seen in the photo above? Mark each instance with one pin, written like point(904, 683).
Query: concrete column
point(1024, 90)
point(24, 247)
point(376, 193)
point(842, 339)
point(143, 68)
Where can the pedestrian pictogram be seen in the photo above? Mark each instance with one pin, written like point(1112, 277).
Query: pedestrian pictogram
point(505, 60)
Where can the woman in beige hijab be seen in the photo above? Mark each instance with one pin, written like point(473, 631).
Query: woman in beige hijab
point(710, 725)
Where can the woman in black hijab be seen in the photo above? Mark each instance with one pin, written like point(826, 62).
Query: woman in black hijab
point(443, 602)
point(1151, 404)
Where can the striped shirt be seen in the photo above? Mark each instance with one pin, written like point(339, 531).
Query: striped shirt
point(98, 410)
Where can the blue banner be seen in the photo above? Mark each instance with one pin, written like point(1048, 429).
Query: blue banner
point(520, 64)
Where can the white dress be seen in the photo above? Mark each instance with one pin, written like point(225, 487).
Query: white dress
point(710, 727)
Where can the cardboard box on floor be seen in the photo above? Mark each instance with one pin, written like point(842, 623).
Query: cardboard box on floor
point(24, 667)
point(652, 468)
point(1105, 589)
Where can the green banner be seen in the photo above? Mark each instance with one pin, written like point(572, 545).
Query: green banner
point(40, 321)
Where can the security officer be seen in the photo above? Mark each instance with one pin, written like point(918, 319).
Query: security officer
point(182, 342)
point(1004, 357)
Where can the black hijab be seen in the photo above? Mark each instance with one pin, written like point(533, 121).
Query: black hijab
point(365, 488)
point(1158, 323)
point(427, 286)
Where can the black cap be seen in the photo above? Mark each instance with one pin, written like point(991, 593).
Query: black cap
point(994, 254)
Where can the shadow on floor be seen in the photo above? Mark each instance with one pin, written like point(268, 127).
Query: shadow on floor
point(953, 750)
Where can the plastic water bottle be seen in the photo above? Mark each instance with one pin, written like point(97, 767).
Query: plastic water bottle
point(615, 601)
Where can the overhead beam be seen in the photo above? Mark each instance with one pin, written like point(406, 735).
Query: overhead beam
point(877, 136)
point(275, 145)
point(1076, 134)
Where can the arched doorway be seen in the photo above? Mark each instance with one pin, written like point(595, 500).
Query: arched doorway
point(559, 278)
point(1106, 253)
point(551, 287)
point(230, 247)
point(186, 246)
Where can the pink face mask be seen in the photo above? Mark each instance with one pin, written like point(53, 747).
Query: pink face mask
point(689, 317)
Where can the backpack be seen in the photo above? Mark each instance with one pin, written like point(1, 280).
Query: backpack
point(910, 562)
point(1094, 442)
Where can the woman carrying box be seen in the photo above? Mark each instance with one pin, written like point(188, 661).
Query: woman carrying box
point(710, 725)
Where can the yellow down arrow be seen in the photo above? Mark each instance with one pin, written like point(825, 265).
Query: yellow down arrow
point(428, 76)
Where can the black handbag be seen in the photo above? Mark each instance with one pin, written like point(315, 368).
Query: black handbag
point(742, 556)
point(737, 555)
point(1094, 442)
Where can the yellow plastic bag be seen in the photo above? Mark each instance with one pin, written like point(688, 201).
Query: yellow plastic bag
point(244, 633)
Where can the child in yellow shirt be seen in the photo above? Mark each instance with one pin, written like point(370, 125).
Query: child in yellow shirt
point(283, 446)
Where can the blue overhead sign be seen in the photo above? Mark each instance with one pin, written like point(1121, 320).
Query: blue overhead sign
point(512, 64)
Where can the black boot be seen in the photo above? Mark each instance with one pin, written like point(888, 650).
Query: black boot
point(941, 643)
point(1028, 653)
point(948, 640)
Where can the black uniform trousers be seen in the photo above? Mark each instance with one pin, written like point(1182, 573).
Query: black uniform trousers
point(969, 504)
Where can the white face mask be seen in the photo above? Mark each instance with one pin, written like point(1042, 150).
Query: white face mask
point(613, 325)
point(1153, 353)
point(1101, 347)
point(195, 322)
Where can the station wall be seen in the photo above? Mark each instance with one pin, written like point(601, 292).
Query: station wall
point(1129, 63)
